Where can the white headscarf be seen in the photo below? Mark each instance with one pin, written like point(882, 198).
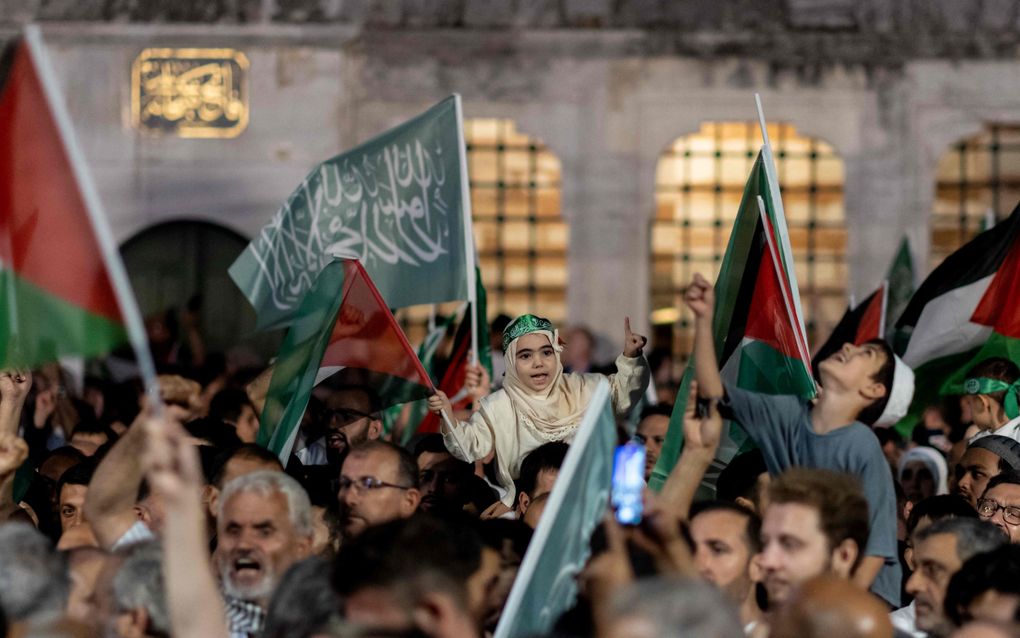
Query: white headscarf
point(555, 411)
point(935, 462)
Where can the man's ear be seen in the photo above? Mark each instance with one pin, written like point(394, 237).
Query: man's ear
point(523, 502)
point(374, 429)
point(746, 502)
point(844, 556)
point(908, 558)
point(435, 614)
point(874, 390)
point(213, 499)
point(412, 497)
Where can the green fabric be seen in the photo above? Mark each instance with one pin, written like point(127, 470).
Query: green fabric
point(546, 583)
point(419, 409)
point(37, 327)
point(525, 324)
point(300, 355)
point(928, 387)
point(396, 203)
point(984, 385)
point(901, 289)
point(482, 312)
point(727, 299)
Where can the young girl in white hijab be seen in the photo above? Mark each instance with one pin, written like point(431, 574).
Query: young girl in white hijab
point(539, 403)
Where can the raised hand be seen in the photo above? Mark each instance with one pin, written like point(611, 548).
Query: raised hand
point(14, 386)
point(633, 343)
point(13, 452)
point(701, 433)
point(477, 381)
point(700, 297)
point(439, 402)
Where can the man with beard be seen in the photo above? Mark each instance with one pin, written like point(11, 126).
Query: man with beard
point(985, 458)
point(264, 526)
point(352, 417)
point(378, 483)
point(816, 522)
point(447, 484)
point(726, 539)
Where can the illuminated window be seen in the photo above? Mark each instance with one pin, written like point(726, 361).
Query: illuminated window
point(699, 182)
point(520, 235)
point(978, 183)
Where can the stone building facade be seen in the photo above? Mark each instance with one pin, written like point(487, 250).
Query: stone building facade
point(606, 85)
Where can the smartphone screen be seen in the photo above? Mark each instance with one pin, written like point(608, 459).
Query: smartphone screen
point(628, 482)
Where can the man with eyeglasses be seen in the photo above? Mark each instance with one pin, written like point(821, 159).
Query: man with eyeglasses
point(351, 418)
point(1000, 504)
point(378, 483)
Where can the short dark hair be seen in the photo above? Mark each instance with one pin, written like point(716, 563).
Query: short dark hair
point(407, 466)
point(838, 498)
point(1008, 477)
point(548, 456)
point(998, 368)
point(303, 603)
point(739, 479)
point(885, 375)
point(227, 404)
point(973, 535)
point(243, 451)
point(752, 530)
point(410, 557)
point(939, 507)
point(77, 474)
point(994, 570)
point(432, 442)
point(659, 409)
point(220, 433)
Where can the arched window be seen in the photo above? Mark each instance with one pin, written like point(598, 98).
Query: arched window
point(177, 263)
point(699, 182)
point(521, 237)
point(978, 184)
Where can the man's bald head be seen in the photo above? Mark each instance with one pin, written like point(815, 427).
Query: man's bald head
point(830, 607)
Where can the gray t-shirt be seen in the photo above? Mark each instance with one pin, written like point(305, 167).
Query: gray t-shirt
point(781, 427)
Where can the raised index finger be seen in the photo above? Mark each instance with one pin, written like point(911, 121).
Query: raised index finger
point(626, 326)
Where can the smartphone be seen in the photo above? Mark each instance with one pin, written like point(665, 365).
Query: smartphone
point(628, 482)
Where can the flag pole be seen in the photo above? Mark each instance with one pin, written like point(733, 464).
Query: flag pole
point(885, 308)
point(469, 233)
point(97, 215)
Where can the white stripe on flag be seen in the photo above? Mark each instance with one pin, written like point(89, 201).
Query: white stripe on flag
point(326, 372)
point(944, 327)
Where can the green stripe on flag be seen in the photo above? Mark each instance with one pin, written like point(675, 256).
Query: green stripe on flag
point(37, 327)
point(300, 355)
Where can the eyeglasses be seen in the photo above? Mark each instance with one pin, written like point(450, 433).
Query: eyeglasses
point(366, 484)
point(987, 508)
point(343, 416)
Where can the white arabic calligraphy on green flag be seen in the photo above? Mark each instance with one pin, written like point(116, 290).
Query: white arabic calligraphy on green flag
point(546, 585)
point(396, 203)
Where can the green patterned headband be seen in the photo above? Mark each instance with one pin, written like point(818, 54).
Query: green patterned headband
point(523, 325)
point(983, 385)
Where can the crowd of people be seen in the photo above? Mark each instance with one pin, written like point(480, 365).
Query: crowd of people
point(130, 517)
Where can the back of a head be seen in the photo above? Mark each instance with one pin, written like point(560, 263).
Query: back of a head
point(139, 584)
point(739, 479)
point(227, 404)
point(249, 451)
point(548, 456)
point(216, 431)
point(407, 466)
point(1009, 477)
point(830, 607)
point(936, 508)
point(409, 558)
point(973, 535)
point(837, 497)
point(304, 602)
point(994, 570)
point(33, 575)
point(674, 608)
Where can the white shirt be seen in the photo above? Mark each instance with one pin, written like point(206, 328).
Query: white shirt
point(905, 620)
point(1011, 430)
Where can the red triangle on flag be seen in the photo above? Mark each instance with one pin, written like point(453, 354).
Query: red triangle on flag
point(998, 307)
point(367, 336)
point(46, 234)
point(872, 323)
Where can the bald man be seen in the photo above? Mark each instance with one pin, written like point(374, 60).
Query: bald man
point(831, 607)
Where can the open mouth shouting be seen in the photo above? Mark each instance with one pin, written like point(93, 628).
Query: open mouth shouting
point(540, 379)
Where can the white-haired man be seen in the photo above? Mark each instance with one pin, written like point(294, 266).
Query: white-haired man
point(264, 526)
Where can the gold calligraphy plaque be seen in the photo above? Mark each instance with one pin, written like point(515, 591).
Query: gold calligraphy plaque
point(190, 92)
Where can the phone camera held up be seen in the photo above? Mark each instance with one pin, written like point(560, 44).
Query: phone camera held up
point(628, 482)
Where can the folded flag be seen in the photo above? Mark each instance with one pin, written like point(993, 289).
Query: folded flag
point(964, 312)
point(343, 327)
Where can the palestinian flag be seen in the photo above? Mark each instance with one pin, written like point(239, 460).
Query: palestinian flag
point(62, 285)
point(344, 332)
point(964, 312)
point(861, 323)
point(455, 372)
point(758, 326)
point(412, 414)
